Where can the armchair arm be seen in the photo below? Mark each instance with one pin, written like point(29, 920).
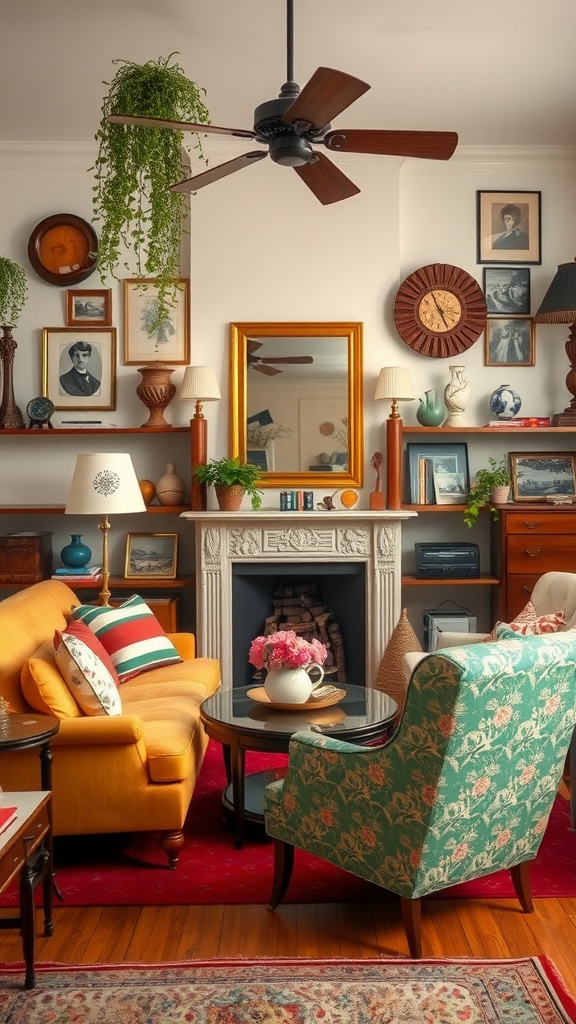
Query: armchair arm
point(185, 644)
point(98, 730)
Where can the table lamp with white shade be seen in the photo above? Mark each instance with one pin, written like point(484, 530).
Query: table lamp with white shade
point(104, 484)
point(199, 383)
point(395, 383)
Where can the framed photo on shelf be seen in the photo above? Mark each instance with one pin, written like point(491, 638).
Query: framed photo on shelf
point(79, 367)
point(537, 476)
point(509, 342)
point(446, 462)
point(508, 228)
point(89, 307)
point(507, 291)
point(151, 556)
point(170, 341)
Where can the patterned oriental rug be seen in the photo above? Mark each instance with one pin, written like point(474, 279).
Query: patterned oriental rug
point(116, 870)
point(526, 991)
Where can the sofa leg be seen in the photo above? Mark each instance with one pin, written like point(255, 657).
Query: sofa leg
point(172, 843)
point(521, 881)
point(411, 916)
point(283, 864)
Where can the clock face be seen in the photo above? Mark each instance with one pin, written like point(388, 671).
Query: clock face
point(440, 310)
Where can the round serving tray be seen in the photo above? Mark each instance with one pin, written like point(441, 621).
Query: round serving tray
point(259, 694)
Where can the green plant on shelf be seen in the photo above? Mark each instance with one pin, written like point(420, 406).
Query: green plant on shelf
point(480, 494)
point(231, 473)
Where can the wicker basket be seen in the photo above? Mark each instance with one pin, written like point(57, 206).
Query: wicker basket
point(390, 674)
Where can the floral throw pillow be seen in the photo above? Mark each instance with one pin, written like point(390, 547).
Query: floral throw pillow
point(529, 623)
point(86, 676)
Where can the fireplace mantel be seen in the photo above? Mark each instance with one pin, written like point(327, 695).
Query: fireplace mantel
point(269, 536)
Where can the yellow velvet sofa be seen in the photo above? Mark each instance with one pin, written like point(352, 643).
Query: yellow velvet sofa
point(135, 771)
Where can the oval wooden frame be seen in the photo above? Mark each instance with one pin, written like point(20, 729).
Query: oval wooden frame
point(470, 296)
point(83, 228)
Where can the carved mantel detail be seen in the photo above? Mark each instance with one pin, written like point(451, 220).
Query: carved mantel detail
point(224, 538)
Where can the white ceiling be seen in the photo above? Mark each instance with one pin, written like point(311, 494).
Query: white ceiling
point(499, 72)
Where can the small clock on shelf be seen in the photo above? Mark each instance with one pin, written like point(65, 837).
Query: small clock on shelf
point(39, 411)
point(440, 310)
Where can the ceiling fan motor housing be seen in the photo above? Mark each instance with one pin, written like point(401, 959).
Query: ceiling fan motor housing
point(287, 146)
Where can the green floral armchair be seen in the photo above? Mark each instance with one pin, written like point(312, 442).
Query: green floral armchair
point(464, 787)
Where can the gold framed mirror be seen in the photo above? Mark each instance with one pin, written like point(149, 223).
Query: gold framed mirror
point(296, 402)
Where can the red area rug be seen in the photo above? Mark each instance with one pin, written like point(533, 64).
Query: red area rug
point(116, 870)
point(527, 991)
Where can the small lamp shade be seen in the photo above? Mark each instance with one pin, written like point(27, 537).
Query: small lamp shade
point(394, 382)
point(200, 383)
point(104, 484)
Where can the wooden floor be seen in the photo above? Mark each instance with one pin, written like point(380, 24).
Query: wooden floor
point(464, 928)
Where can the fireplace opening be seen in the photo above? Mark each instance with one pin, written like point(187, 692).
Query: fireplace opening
point(340, 587)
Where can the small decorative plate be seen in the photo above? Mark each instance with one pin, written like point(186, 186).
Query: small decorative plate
point(61, 249)
point(259, 694)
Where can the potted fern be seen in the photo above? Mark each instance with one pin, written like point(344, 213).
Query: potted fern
point(491, 487)
point(231, 480)
point(135, 166)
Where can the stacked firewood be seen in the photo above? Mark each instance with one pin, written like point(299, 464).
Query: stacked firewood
point(300, 607)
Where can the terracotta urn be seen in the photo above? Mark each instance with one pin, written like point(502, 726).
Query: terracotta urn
point(156, 391)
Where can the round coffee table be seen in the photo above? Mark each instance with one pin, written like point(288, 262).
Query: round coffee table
point(239, 723)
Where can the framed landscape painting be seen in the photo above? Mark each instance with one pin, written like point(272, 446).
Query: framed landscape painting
point(540, 476)
point(151, 555)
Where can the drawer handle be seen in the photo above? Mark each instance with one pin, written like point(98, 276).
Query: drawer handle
point(532, 525)
point(533, 554)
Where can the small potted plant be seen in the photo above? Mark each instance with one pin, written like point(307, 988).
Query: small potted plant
point(491, 487)
point(231, 480)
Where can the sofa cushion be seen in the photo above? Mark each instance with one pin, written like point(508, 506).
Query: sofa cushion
point(43, 686)
point(529, 623)
point(86, 676)
point(131, 634)
point(84, 633)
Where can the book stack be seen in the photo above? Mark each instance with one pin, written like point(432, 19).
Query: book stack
point(522, 421)
point(84, 574)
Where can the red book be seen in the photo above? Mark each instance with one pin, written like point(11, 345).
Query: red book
point(7, 815)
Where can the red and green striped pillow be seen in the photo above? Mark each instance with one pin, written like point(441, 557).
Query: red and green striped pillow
point(131, 634)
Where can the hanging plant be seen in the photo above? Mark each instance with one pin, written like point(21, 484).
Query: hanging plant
point(13, 291)
point(135, 166)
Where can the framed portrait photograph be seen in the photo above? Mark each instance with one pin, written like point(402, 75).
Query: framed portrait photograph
point(507, 291)
point(151, 556)
point(79, 367)
point(536, 476)
point(438, 468)
point(89, 307)
point(509, 342)
point(170, 340)
point(509, 227)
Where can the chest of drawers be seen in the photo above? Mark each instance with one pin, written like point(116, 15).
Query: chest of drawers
point(528, 541)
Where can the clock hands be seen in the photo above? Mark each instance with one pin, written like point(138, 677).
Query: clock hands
point(440, 310)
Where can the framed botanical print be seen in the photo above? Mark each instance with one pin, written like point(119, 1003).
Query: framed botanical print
point(89, 307)
point(145, 342)
point(79, 367)
point(509, 227)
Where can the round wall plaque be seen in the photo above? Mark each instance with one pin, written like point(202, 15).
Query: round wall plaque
point(61, 249)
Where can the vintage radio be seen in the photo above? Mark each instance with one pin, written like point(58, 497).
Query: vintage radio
point(443, 561)
point(25, 557)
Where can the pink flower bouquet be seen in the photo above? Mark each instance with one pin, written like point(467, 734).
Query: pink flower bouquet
point(285, 649)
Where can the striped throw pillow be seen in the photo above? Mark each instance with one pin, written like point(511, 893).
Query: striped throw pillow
point(131, 634)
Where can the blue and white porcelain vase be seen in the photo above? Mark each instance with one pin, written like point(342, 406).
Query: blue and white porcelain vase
point(76, 554)
point(505, 403)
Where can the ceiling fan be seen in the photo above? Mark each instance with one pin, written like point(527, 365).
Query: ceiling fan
point(265, 364)
point(296, 121)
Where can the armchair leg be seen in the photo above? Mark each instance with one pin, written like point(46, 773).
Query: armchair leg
point(172, 843)
point(283, 864)
point(521, 880)
point(412, 916)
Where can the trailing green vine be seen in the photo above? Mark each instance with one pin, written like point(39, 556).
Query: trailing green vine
point(13, 291)
point(133, 205)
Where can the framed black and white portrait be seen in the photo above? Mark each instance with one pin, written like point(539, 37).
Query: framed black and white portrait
point(79, 367)
point(509, 227)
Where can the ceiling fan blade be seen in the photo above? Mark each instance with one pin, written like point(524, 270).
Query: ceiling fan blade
point(180, 126)
point(429, 145)
point(215, 173)
point(326, 181)
point(268, 370)
point(252, 345)
point(324, 96)
point(286, 359)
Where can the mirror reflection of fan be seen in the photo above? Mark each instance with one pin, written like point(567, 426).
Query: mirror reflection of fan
point(266, 364)
point(296, 121)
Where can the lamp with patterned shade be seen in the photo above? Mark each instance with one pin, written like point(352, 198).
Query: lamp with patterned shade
point(199, 383)
point(104, 484)
point(559, 307)
point(395, 383)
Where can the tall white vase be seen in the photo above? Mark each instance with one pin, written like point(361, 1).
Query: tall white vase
point(456, 396)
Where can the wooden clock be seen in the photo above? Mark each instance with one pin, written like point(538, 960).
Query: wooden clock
point(440, 310)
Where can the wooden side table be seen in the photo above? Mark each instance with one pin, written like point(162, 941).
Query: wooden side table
point(26, 851)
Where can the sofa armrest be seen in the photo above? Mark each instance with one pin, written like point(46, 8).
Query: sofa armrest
point(460, 639)
point(185, 644)
point(96, 730)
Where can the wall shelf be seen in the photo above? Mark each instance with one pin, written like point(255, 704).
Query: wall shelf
point(59, 509)
point(410, 580)
point(88, 431)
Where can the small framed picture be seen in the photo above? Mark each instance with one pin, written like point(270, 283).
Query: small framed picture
point(538, 476)
point(79, 367)
point(509, 342)
point(151, 556)
point(507, 291)
point(449, 488)
point(446, 462)
point(89, 308)
point(509, 227)
point(170, 340)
